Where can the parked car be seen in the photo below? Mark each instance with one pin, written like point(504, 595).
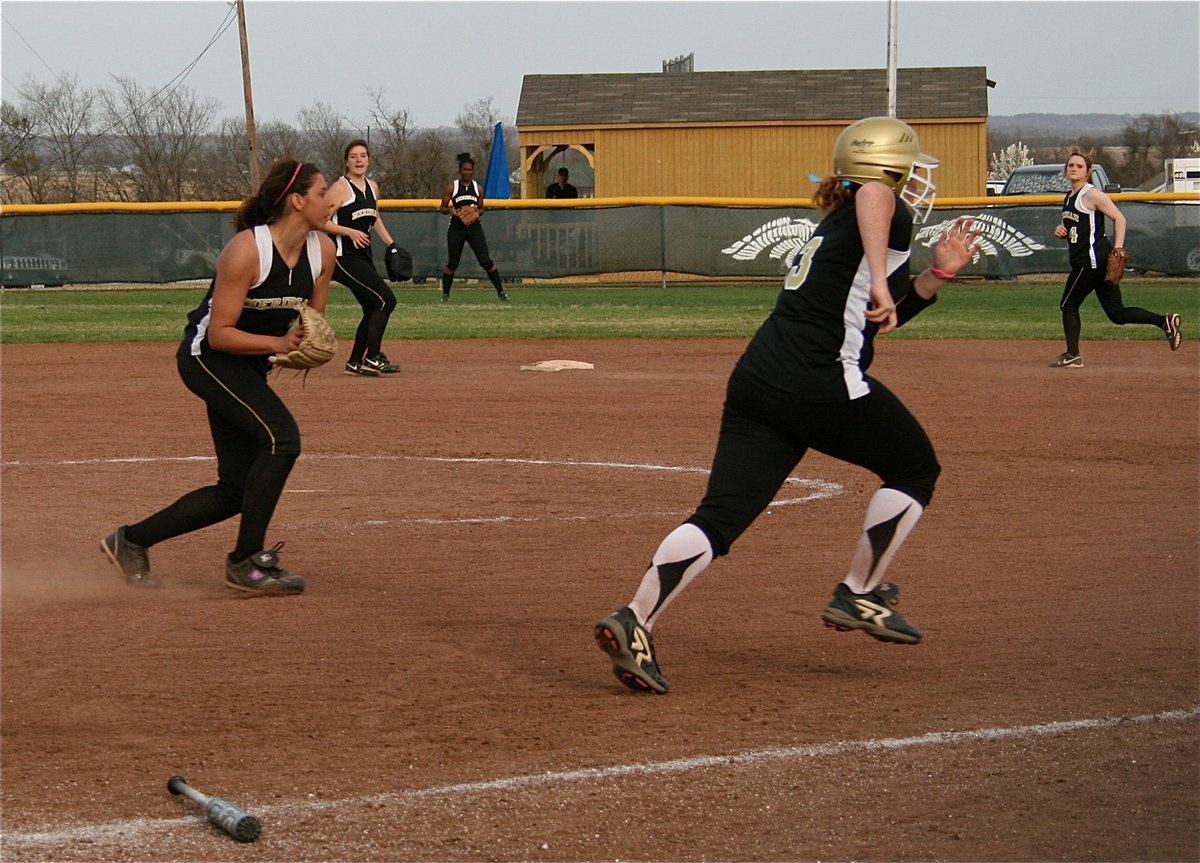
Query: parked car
point(995, 187)
point(1050, 180)
point(23, 271)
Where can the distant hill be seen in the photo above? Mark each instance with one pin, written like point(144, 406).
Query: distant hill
point(1069, 125)
point(1046, 134)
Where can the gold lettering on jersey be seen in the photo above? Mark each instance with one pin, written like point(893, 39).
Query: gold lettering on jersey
point(366, 213)
point(799, 271)
point(263, 304)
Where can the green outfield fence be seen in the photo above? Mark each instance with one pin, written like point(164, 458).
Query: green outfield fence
point(727, 238)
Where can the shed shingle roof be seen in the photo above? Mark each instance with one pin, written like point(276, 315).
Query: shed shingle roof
point(714, 97)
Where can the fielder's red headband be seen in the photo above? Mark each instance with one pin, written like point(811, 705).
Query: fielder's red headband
point(295, 173)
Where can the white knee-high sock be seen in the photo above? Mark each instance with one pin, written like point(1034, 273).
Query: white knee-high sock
point(891, 515)
point(684, 554)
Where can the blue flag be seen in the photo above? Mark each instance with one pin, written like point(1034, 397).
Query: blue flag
point(496, 184)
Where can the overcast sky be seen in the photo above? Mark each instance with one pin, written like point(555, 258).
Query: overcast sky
point(1070, 57)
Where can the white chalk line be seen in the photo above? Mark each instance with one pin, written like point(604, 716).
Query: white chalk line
point(819, 489)
point(114, 830)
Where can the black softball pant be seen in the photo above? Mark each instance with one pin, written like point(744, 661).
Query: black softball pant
point(472, 235)
point(1083, 281)
point(256, 440)
point(358, 273)
point(764, 435)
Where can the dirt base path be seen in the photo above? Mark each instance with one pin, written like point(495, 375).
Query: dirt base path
point(436, 694)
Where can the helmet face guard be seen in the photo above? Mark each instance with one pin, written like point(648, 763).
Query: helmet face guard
point(887, 150)
point(920, 192)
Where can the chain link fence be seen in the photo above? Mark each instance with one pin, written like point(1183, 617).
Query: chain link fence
point(54, 245)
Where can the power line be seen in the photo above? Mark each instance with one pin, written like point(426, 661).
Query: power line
point(177, 81)
point(27, 45)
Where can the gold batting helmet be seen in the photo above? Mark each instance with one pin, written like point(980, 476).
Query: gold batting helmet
point(887, 150)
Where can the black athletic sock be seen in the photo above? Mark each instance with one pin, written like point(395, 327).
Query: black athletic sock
point(264, 485)
point(195, 510)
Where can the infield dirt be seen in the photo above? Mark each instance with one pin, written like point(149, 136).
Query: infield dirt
point(437, 695)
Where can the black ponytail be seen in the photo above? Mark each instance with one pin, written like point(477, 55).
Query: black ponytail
point(284, 177)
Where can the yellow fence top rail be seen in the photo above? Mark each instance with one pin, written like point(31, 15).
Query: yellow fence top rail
point(540, 203)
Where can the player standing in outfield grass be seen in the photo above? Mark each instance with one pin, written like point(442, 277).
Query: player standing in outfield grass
point(1084, 209)
point(465, 192)
point(278, 259)
point(356, 197)
point(802, 384)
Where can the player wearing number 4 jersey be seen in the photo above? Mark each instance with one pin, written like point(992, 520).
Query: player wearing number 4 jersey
point(802, 384)
point(1084, 209)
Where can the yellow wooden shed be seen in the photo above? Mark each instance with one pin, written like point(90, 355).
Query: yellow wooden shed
point(755, 134)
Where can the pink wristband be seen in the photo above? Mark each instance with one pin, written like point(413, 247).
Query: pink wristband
point(941, 274)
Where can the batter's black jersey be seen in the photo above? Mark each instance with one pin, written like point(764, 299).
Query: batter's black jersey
point(463, 196)
point(271, 304)
point(817, 343)
point(359, 213)
point(1089, 247)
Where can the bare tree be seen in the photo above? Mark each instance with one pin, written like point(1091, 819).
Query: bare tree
point(16, 131)
point(223, 174)
point(19, 157)
point(391, 157)
point(430, 152)
point(326, 135)
point(62, 118)
point(476, 122)
point(1151, 138)
point(108, 182)
point(161, 133)
point(407, 162)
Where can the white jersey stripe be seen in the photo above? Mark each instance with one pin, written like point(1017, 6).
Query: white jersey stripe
point(854, 317)
point(266, 256)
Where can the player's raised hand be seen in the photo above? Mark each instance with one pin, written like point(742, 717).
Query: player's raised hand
point(956, 246)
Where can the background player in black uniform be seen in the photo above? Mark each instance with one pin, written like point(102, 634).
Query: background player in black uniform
point(465, 192)
point(802, 384)
point(1084, 209)
point(278, 259)
point(356, 197)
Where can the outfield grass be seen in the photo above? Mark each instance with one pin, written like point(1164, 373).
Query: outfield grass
point(1025, 308)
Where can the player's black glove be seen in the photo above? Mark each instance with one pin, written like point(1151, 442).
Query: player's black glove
point(398, 262)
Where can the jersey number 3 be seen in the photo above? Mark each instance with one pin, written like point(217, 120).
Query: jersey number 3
point(799, 271)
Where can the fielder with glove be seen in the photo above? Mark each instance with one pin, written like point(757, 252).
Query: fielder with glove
point(318, 342)
point(1096, 265)
point(277, 266)
point(463, 202)
point(355, 216)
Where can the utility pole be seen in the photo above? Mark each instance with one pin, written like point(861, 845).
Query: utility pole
point(250, 131)
point(891, 59)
